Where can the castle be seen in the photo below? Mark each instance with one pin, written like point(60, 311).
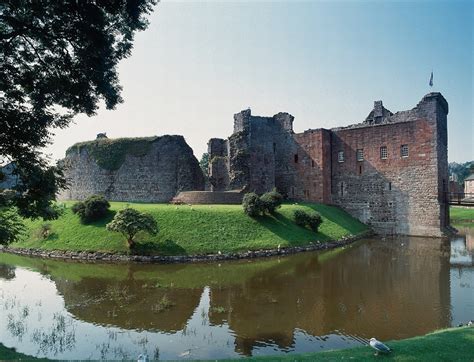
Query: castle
point(390, 171)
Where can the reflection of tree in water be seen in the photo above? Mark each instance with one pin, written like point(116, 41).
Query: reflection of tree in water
point(17, 327)
point(7, 271)
point(60, 337)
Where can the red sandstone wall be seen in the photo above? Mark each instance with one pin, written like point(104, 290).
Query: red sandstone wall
point(314, 165)
point(396, 195)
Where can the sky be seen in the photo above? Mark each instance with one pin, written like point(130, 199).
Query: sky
point(199, 63)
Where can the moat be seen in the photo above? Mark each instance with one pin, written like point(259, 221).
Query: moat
point(387, 288)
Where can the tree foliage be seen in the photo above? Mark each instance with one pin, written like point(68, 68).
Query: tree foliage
point(268, 203)
point(304, 219)
point(59, 58)
point(271, 201)
point(11, 226)
point(461, 170)
point(93, 208)
point(130, 222)
point(204, 163)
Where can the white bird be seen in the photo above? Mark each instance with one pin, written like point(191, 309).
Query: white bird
point(379, 346)
point(142, 358)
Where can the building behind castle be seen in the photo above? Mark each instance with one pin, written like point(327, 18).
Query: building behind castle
point(391, 171)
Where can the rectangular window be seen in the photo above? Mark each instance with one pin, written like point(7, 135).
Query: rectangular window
point(340, 156)
point(383, 152)
point(312, 163)
point(404, 150)
point(296, 158)
point(360, 154)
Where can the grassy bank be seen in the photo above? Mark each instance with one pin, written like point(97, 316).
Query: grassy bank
point(199, 229)
point(455, 344)
point(462, 216)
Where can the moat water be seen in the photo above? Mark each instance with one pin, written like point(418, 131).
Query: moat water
point(390, 289)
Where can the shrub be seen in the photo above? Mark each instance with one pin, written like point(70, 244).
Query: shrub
point(252, 204)
point(304, 219)
point(130, 222)
point(44, 231)
point(271, 201)
point(93, 208)
point(11, 226)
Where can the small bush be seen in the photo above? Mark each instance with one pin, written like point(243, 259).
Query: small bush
point(93, 208)
point(271, 201)
point(252, 204)
point(44, 231)
point(304, 219)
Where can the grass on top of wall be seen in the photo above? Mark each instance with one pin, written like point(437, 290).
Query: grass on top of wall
point(197, 229)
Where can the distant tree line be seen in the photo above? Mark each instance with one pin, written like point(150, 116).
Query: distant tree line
point(461, 170)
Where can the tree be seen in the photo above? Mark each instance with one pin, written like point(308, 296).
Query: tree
point(11, 226)
point(59, 58)
point(130, 222)
point(204, 163)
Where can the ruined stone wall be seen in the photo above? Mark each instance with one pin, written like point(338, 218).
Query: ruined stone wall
point(162, 167)
point(218, 168)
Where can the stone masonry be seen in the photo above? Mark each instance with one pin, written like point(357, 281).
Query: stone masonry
point(165, 167)
point(390, 171)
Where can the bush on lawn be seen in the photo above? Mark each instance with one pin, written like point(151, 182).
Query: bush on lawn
point(304, 219)
point(93, 208)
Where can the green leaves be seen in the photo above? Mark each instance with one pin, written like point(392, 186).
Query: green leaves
point(11, 226)
point(59, 58)
point(129, 222)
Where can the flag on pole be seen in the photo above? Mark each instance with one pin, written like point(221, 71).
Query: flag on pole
point(431, 79)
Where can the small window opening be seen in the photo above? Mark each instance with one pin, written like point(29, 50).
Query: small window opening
point(296, 158)
point(389, 186)
point(342, 188)
point(404, 150)
point(360, 169)
point(274, 147)
point(340, 156)
point(360, 154)
point(383, 152)
point(312, 163)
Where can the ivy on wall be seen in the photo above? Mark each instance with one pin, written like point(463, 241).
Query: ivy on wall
point(110, 153)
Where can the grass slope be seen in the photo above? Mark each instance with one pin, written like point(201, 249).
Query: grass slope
point(198, 229)
point(12, 354)
point(462, 216)
point(455, 344)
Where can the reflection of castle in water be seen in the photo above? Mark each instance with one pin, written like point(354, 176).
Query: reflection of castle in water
point(373, 287)
point(462, 249)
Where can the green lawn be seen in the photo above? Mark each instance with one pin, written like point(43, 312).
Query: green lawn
point(462, 216)
point(455, 344)
point(198, 229)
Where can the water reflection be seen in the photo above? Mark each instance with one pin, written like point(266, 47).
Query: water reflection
point(391, 289)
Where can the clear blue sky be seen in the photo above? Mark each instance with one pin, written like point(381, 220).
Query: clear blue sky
point(324, 62)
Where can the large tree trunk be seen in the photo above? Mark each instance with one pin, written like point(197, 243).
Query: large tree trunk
point(131, 243)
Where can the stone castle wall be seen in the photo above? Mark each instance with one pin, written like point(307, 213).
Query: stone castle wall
point(394, 193)
point(156, 174)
